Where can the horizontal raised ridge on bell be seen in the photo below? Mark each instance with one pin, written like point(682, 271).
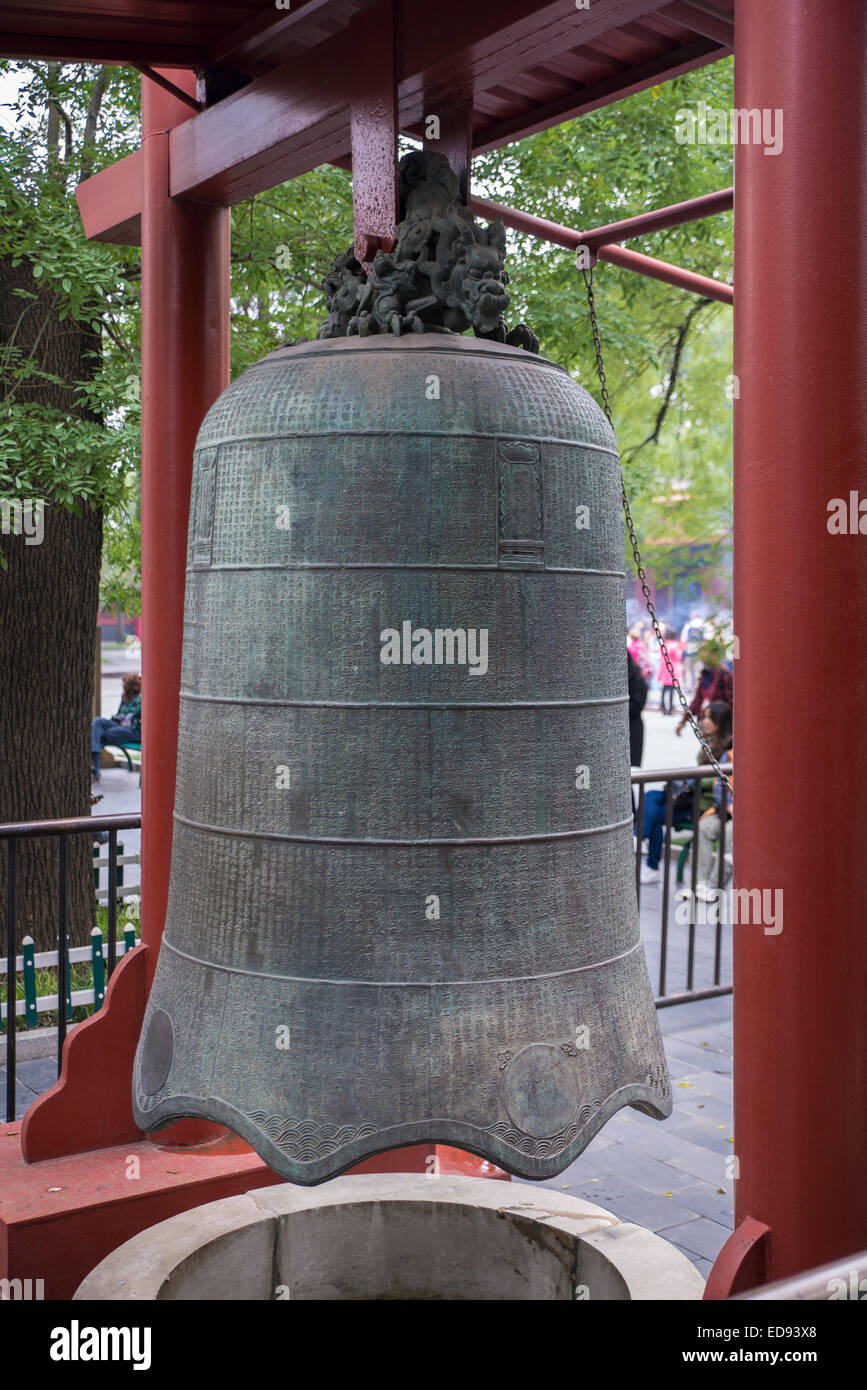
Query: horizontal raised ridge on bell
point(408, 434)
point(379, 565)
point(403, 984)
point(402, 704)
point(378, 843)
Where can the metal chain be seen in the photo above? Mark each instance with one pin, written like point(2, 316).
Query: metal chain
point(636, 552)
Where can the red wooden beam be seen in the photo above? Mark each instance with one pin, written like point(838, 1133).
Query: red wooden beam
point(297, 116)
point(58, 48)
point(374, 132)
point(692, 210)
point(110, 202)
point(169, 86)
point(455, 140)
point(265, 32)
point(185, 366)
point(708, 20)
point(279, 126)
point(474, 47)
point(670, 274)
point(617, 255)
point(621, 84)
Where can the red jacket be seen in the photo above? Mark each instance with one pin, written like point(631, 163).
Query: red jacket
point(715, 683)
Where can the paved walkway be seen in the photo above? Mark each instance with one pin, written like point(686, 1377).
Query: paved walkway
point(670, 1175)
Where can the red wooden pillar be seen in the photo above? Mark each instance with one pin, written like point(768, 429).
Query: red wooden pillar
point(185, 366)
point(374, 131)
point(800, 1045)
point(455, 141)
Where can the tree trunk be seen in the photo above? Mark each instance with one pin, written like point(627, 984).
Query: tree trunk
point(48, 606)
point(48, 601)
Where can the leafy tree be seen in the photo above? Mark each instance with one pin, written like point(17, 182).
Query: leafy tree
point(667, 353)
point(64, 353)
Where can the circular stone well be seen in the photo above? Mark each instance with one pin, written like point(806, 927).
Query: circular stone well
point(395, 1236)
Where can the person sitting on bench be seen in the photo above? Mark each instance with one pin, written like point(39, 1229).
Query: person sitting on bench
point(125, 727)
point(716, 725)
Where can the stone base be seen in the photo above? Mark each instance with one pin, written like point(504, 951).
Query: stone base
point(58, 1218)
point(406, 1236)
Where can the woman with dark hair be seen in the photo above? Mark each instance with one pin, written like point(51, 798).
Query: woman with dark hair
point(716, 725)
point(125, 727)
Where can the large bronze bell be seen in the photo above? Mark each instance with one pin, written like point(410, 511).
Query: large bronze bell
point(402, 899)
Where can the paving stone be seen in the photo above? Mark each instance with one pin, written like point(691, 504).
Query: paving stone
point(626, 1162)
point(707, 1136)
point(584, 1168)
point(23, 1096)
point(714, 1042)
point(704, 1267)
point(702, 1107)
point(38, 1074)
point(704, 1199)
point(647, 1124)
point(701, 1163)
point(660, 1142)
point(625, 1199)
point(706, 1013)
point(702, 1237)
point(716, 1085)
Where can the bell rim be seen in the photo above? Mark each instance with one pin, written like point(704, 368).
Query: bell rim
point(457, 1133)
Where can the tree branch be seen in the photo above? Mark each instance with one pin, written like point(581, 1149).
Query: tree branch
point(673, 371)
point(88, 144)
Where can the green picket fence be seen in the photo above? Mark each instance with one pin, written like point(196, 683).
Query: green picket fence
point(100, 861)
point(33, 1004)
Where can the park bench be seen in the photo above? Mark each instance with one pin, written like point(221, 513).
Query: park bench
point(126, 749)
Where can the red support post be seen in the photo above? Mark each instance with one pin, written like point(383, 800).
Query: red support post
point(185, 366)
point(800, 1023)
point(690, 280)
point(659, 219)
point(455, 140)
point(374, 131)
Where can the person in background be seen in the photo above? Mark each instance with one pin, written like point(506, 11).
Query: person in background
point(124, 727)
point(637, 648)
point(637, 700)
point(691, 637)
point(675, 653)
point(716, 725)
point(709, 830)
point(714, 683)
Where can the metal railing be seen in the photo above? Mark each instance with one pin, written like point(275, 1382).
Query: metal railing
point(92, 825)
point(843, 1280)
point(669, 777)
point(62, 829)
